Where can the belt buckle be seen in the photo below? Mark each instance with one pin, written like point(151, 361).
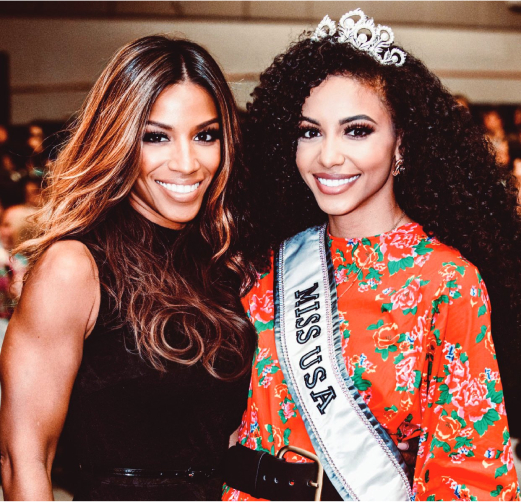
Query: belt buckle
point(307, 454)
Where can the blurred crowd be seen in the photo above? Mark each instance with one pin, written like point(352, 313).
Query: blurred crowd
point(27, 152)
point(502, 127)
point(25, 155)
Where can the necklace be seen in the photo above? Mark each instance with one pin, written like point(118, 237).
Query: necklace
point(376, 249)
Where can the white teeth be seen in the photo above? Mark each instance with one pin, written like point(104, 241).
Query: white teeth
point(179, 188)
point(335, 183)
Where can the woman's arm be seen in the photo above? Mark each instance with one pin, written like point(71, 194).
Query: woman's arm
point(40, 357)
point(465, 451)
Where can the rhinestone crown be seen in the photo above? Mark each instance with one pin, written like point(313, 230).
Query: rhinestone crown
point(357, 29)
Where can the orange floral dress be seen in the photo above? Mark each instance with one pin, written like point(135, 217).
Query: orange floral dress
point(415, 327)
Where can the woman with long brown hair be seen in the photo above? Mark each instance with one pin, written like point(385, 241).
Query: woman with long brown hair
point(129, 330)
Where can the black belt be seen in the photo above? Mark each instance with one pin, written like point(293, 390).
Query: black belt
point(189, 474)
point(264, 476)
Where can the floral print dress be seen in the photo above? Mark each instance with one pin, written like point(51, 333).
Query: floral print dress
point(415, 327)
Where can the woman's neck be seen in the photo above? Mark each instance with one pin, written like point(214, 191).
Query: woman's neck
point(358, 225)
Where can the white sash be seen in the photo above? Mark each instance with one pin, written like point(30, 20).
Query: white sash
point(358, 455)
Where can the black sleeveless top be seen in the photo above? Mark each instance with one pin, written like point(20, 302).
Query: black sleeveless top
point(123, 413)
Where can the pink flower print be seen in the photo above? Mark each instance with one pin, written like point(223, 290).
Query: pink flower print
point(234, 494)
point(287, 409)
point(471, 400)
point(367, 395)
point(448, 272)
point(266, 381)
point(340, 276)
point(458, 459)
point(458, 375)
point(507, 456)
point(398, 244)
point(407, 298)
point(261, 309)
point(421, 259)
point(405, 374)
point(421, 328)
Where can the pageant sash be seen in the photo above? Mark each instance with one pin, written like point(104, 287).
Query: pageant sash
point(358, 455)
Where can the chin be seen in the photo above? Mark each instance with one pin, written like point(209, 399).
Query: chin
point(335, 210)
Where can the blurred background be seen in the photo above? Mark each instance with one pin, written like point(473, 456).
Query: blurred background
point(52, 52)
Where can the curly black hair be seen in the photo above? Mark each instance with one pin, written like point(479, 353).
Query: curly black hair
point(451, 185)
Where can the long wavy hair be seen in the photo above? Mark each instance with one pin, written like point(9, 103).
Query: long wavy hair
point(451, 185)
point(192, 286)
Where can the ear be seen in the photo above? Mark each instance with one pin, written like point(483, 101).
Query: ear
point(397, 154)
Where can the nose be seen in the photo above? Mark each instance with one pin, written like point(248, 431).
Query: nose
point(182, 158)
point(331, 153)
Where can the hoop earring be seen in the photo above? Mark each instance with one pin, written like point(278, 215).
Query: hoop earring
point(398, 167)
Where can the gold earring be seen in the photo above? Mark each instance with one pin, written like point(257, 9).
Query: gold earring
point(398, 167)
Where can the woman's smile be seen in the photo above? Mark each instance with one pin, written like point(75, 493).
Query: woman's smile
point(333, 185)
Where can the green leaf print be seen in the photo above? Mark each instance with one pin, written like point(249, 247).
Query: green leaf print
point(409, 280)
point(445, 395)
point(261, 368)
point(482, 334)
point(436, 443)
point(431, 497)
point(285, 437)
point(455, 416)
point(461, 442)
point(366, 241)
point(500, 471)
point(506, 436)
point(373, 274)
point(497, 491)
point(403, 264)
point(341, 254)
point(481, 426)
point(358, 379)
point(451, 284)
point(398, 358)
point(269, 428)
point(444, 299)
point(387, 307)
point(410, 311)
point(281, 413)
point(263, 326)
point(482, 310)
point(463, 357)
point(379, 324)
point(495, 396)
point(417, 379)
point(383, 352)
point(421, 248)
point(424, 283)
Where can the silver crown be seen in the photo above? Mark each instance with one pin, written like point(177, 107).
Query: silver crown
point(358, 30)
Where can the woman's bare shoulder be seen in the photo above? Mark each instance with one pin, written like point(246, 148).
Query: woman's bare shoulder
point(61, 290)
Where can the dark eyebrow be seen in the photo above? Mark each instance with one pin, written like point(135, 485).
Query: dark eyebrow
point(342, 121)
point(356, 117)
point(307, 119)
point(168, 128)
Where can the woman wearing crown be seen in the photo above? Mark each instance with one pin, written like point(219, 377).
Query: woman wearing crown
point(374, 322)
